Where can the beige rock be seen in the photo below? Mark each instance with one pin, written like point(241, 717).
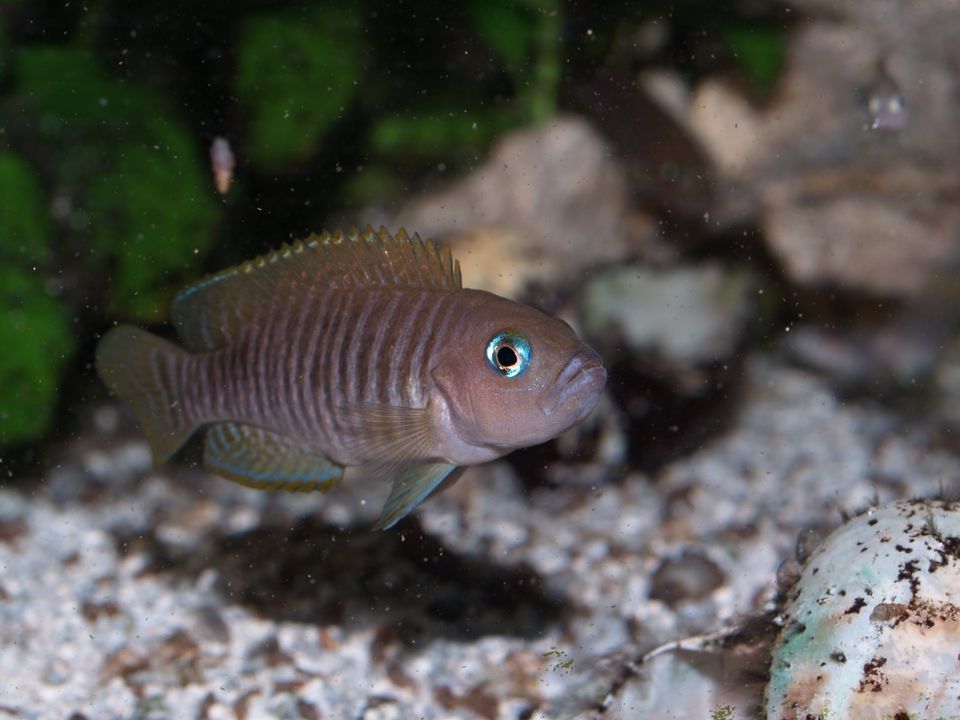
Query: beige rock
point(844, 229)
point(499, 261)
point(725, 125)
point(840, 203)
point(550, 195)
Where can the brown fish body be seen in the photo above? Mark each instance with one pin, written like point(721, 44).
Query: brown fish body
point(299, 369)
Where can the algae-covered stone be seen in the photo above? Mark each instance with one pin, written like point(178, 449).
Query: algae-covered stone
point(873, 626)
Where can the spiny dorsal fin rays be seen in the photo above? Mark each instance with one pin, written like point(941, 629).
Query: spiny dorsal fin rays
point(210, 312)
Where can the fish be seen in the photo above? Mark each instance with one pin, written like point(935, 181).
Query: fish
point(886, 105)
point(351, 350)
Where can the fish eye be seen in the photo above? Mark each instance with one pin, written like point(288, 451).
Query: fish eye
point(508, 353)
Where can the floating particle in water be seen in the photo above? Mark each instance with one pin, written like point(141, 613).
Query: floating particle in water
point(222, 163)
point(886, 105)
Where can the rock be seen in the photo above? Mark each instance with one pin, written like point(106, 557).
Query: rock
point(549, 197)
point(667, 170)
point(727, 127)
point(888, 235)
point(845, 199)
point(499, 260)
point(898, 350)
point(872, 629)
point(688, 316)
point(669, 337)
point(946, 384)
point(692, 575)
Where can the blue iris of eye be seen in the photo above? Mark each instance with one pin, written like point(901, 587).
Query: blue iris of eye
point(508, 353)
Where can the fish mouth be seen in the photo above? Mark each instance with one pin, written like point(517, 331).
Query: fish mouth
point(577, 386)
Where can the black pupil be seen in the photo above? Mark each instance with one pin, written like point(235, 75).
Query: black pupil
point(506, 356)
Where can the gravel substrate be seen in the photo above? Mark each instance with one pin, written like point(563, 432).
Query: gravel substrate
point(128, 593)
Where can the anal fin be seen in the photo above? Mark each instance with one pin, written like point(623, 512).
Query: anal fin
point(414, 485)
point(264, 460)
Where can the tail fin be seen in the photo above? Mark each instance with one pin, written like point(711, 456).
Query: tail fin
point(144, 371)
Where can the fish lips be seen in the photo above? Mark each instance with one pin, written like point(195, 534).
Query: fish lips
point(576, 388)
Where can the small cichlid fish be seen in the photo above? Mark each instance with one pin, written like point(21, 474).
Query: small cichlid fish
point(356, 350)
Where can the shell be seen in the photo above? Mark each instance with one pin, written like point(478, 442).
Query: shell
point(872, 627)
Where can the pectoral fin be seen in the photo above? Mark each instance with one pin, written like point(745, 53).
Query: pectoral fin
point(260, 459)
point(414, 485)
point(388, 434)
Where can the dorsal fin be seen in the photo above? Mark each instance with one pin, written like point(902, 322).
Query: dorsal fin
point(209, 312)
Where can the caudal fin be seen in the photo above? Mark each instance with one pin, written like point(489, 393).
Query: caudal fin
point(144, 370)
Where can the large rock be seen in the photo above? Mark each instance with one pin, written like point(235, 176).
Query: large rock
point(847, 194)
point(872, 629)
point(551, 200)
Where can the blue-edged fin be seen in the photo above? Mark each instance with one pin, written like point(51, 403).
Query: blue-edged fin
point(210, 312)
point(414, 485)
point(145, 371)
point(266, 461)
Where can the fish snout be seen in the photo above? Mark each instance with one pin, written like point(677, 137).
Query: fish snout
point(577, 387)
